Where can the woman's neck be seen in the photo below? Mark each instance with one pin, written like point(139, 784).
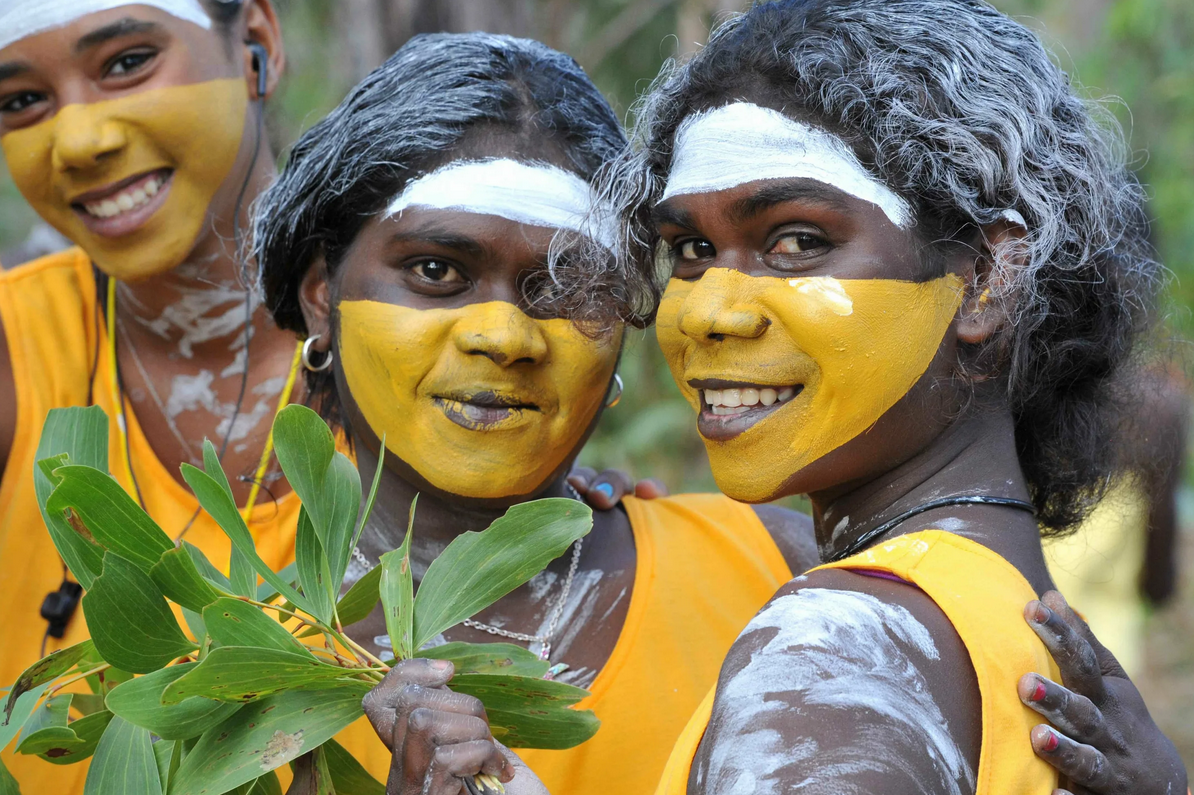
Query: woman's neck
point(976, 455)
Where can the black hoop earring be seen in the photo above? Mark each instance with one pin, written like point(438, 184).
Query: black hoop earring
point(327, 362)
point(616, 390)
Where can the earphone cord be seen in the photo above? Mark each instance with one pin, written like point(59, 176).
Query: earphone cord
point(866, 538)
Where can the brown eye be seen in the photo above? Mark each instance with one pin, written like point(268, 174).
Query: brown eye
point(128, 62)
point(798, 243)
point(16, 103)
point(437, 271)
point(694, 249)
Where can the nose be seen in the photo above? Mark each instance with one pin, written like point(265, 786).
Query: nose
point(713, 311)
point(83, 137)
point(502, 333)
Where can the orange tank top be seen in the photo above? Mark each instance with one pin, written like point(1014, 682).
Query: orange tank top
point(983, 596)
point(49, 312)
point(705, 565)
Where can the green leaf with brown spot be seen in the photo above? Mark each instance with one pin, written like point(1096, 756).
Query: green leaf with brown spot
point(245, 673)
point(70, 744)
point(140, 703)
point(398, 593)
point(47, 669)
point(526, 712)
point(489, 658)
point(232, 622)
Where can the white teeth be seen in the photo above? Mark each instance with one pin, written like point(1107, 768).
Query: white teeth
point(750, 397)
point(124, 201)
point(713, 397)
point(786, 394)
point(735, 401)
point(731, 397)
point(722, 411)
point(767, 396)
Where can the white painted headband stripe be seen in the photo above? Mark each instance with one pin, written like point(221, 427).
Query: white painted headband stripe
point(742, 142)
point(536, 194)
point(22, 18)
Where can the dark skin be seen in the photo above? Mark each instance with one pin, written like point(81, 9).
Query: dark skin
point(115, 53)
point(426, 259)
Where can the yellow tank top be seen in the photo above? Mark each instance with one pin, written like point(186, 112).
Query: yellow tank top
point(705, 565)
point(49, 312)
point(983, 596)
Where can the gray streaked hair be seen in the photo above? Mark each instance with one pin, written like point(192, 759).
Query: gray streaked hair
point(962, 112)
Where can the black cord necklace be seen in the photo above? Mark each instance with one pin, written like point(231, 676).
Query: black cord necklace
point(866, 538)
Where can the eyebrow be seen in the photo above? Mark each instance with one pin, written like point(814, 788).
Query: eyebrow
point(440, 237)
point(121, 27)
point(13, 69)
point(800, 190)
point(667, 214)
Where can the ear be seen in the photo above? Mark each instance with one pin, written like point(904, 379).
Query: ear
point(261, 27)
point(984, 311)
point(315, 300)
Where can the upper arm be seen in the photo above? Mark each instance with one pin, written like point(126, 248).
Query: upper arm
point(793, 533)
point(8, 400)
point(832, 689)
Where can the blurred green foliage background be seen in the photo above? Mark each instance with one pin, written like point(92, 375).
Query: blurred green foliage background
point(1140, 53)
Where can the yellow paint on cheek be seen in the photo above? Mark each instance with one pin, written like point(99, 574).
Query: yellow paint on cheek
point(417, 376)
point(855, 347)
point(194, 130)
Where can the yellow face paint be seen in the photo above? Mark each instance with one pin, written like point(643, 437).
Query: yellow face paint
point(194, 131)
point(853, 347)
point(482, 400)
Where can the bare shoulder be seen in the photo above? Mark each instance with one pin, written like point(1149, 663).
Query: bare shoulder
point(844, 684)
point(8, 400)
point(792, 532)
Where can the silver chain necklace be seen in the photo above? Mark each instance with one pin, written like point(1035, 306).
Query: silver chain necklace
point(557, 612)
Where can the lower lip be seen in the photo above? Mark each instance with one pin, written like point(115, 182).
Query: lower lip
point(723, 427)
point(126, 222)
point(482, 418)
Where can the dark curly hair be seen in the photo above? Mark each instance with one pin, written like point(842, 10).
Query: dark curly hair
point(961, 111)
point(405, 118)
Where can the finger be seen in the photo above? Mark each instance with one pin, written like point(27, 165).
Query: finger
point(1075, 715)
point(380, 703)
point(650, 489)
point(581, 477)
point(1076, 658)
point(1083, 765)
point(452, 763)
point(430, 729)
point(1110, 666)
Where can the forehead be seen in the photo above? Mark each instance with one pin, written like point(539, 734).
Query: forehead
point(21, 20)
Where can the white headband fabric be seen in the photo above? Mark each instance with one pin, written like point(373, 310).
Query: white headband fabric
point(20, 19)
point(536, 194)
point(743, 142)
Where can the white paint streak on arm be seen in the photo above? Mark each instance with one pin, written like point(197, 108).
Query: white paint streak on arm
point(818, 657)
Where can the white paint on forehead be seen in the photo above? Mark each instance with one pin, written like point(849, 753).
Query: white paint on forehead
point(738, 143)
point(833, 650)
point(536, 194)
point(20, 19)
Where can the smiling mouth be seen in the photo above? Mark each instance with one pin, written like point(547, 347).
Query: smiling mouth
point(730, 407)
point(484, 410)
point(124, 206)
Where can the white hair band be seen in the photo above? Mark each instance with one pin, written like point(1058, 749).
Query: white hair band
point(20, 19)
point(743, 142)
point(536, 194)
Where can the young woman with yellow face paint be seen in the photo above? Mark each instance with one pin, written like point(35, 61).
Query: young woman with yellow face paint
point(135, 130)
point(439, 283)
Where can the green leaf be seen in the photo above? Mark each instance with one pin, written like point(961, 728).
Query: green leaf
point(314, 575)
point(525, 712)
point(305, 448)
point(20, 711)
point(397, 592)
point(88, 703)
point(130, 623)
point(358, 603)
point(244, 581)
point(124, 763)
point(348, 776)
point(82, 435)
point(70, 744)
point(179, 579)
point(219, 504)
point(246, 673)
point(140, 703)
point(477, 569)
point(207, 569)
point(195, 623)
point(8, 784)
point(113, 518)
point(168, 754)
point(381, 460)
point(46, 670)
point(266, 592)
point(266, 785)
point(341, 498)
point(489, 658)
point(52, 713)
point(231, 622)
point(264, 736)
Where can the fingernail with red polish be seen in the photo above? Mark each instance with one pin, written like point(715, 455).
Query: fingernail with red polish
point(1051, 742)
point(1041, 614)
point(1038, 692)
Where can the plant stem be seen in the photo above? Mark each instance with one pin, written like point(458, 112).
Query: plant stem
point(356, 647)
point(53, 690)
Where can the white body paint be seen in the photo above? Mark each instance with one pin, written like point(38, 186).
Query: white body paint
point(535, 194)
point(835, 650)
point(742, 142)
point(22, 18)
point(831, 292)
